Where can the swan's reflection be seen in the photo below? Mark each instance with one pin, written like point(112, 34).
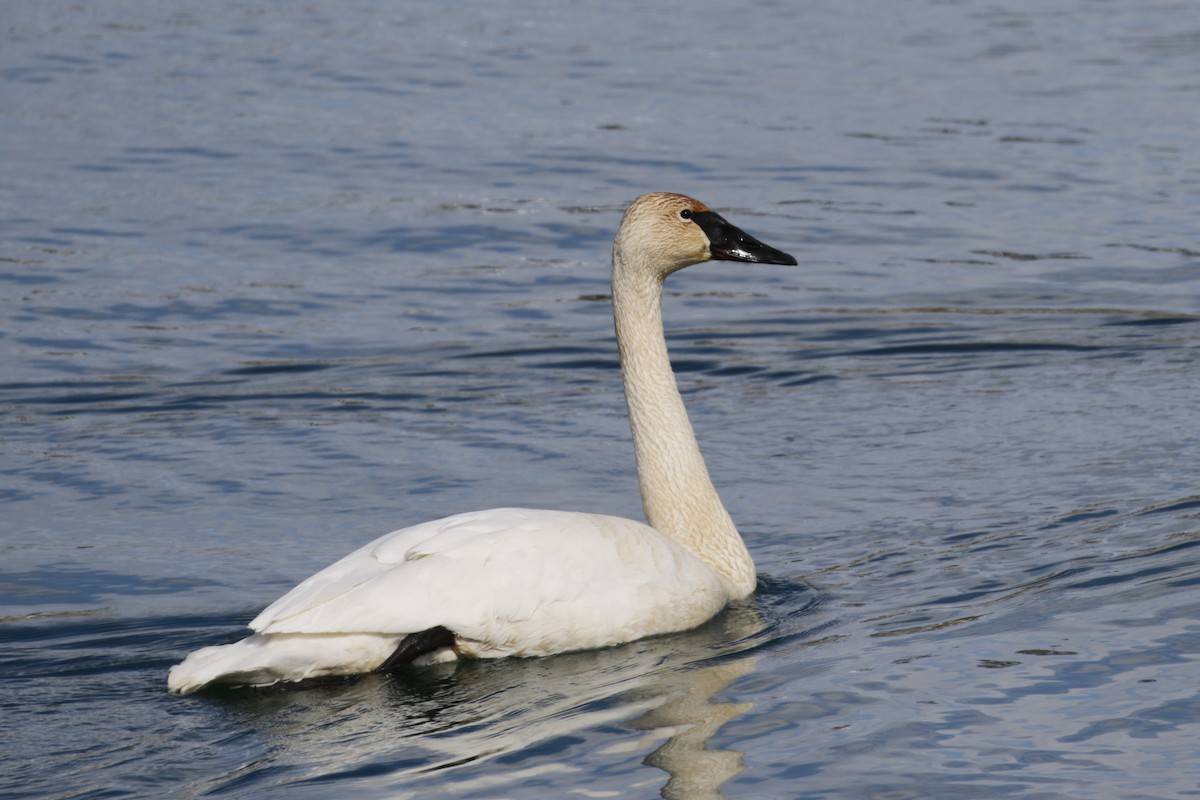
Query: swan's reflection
point(413, 733)
point(691, 718)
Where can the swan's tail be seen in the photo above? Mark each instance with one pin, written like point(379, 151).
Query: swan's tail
point(264, 659)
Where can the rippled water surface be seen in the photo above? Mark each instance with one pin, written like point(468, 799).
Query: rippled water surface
point(276, 278)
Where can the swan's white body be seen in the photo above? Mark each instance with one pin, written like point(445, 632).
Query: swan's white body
point(528, 582)
point(507, 581)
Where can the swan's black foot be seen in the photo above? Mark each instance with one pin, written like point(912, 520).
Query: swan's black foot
point(417, 644)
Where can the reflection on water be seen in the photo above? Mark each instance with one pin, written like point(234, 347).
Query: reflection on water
point(689, 719)
point(418, 729)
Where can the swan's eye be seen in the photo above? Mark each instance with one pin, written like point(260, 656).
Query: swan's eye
point(685, 213)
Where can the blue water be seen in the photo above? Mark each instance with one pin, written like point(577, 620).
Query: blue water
point(277, 278)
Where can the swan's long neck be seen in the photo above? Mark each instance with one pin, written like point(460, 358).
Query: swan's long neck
point(677, 494)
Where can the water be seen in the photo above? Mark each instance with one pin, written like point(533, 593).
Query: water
point(277, 278)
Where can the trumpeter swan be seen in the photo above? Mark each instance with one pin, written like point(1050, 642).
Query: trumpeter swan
point(526, 582)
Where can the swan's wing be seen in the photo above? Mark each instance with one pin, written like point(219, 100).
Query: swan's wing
point(377, 558)
point(517, 580)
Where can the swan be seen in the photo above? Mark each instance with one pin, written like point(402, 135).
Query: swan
point(527, 582)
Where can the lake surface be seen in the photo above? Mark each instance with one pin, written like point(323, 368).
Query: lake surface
point(276, 278)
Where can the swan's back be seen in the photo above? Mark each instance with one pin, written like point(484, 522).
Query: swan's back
point(529, 582)
point(508, 581)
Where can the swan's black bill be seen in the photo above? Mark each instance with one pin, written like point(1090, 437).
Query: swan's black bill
point(727, 242)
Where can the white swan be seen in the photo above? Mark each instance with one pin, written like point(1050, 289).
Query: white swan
point(526, 582)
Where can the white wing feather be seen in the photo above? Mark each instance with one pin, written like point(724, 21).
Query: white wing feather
point(508, 581)
point(505, 582)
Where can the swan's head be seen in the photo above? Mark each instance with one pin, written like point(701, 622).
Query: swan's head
point(672, 231)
